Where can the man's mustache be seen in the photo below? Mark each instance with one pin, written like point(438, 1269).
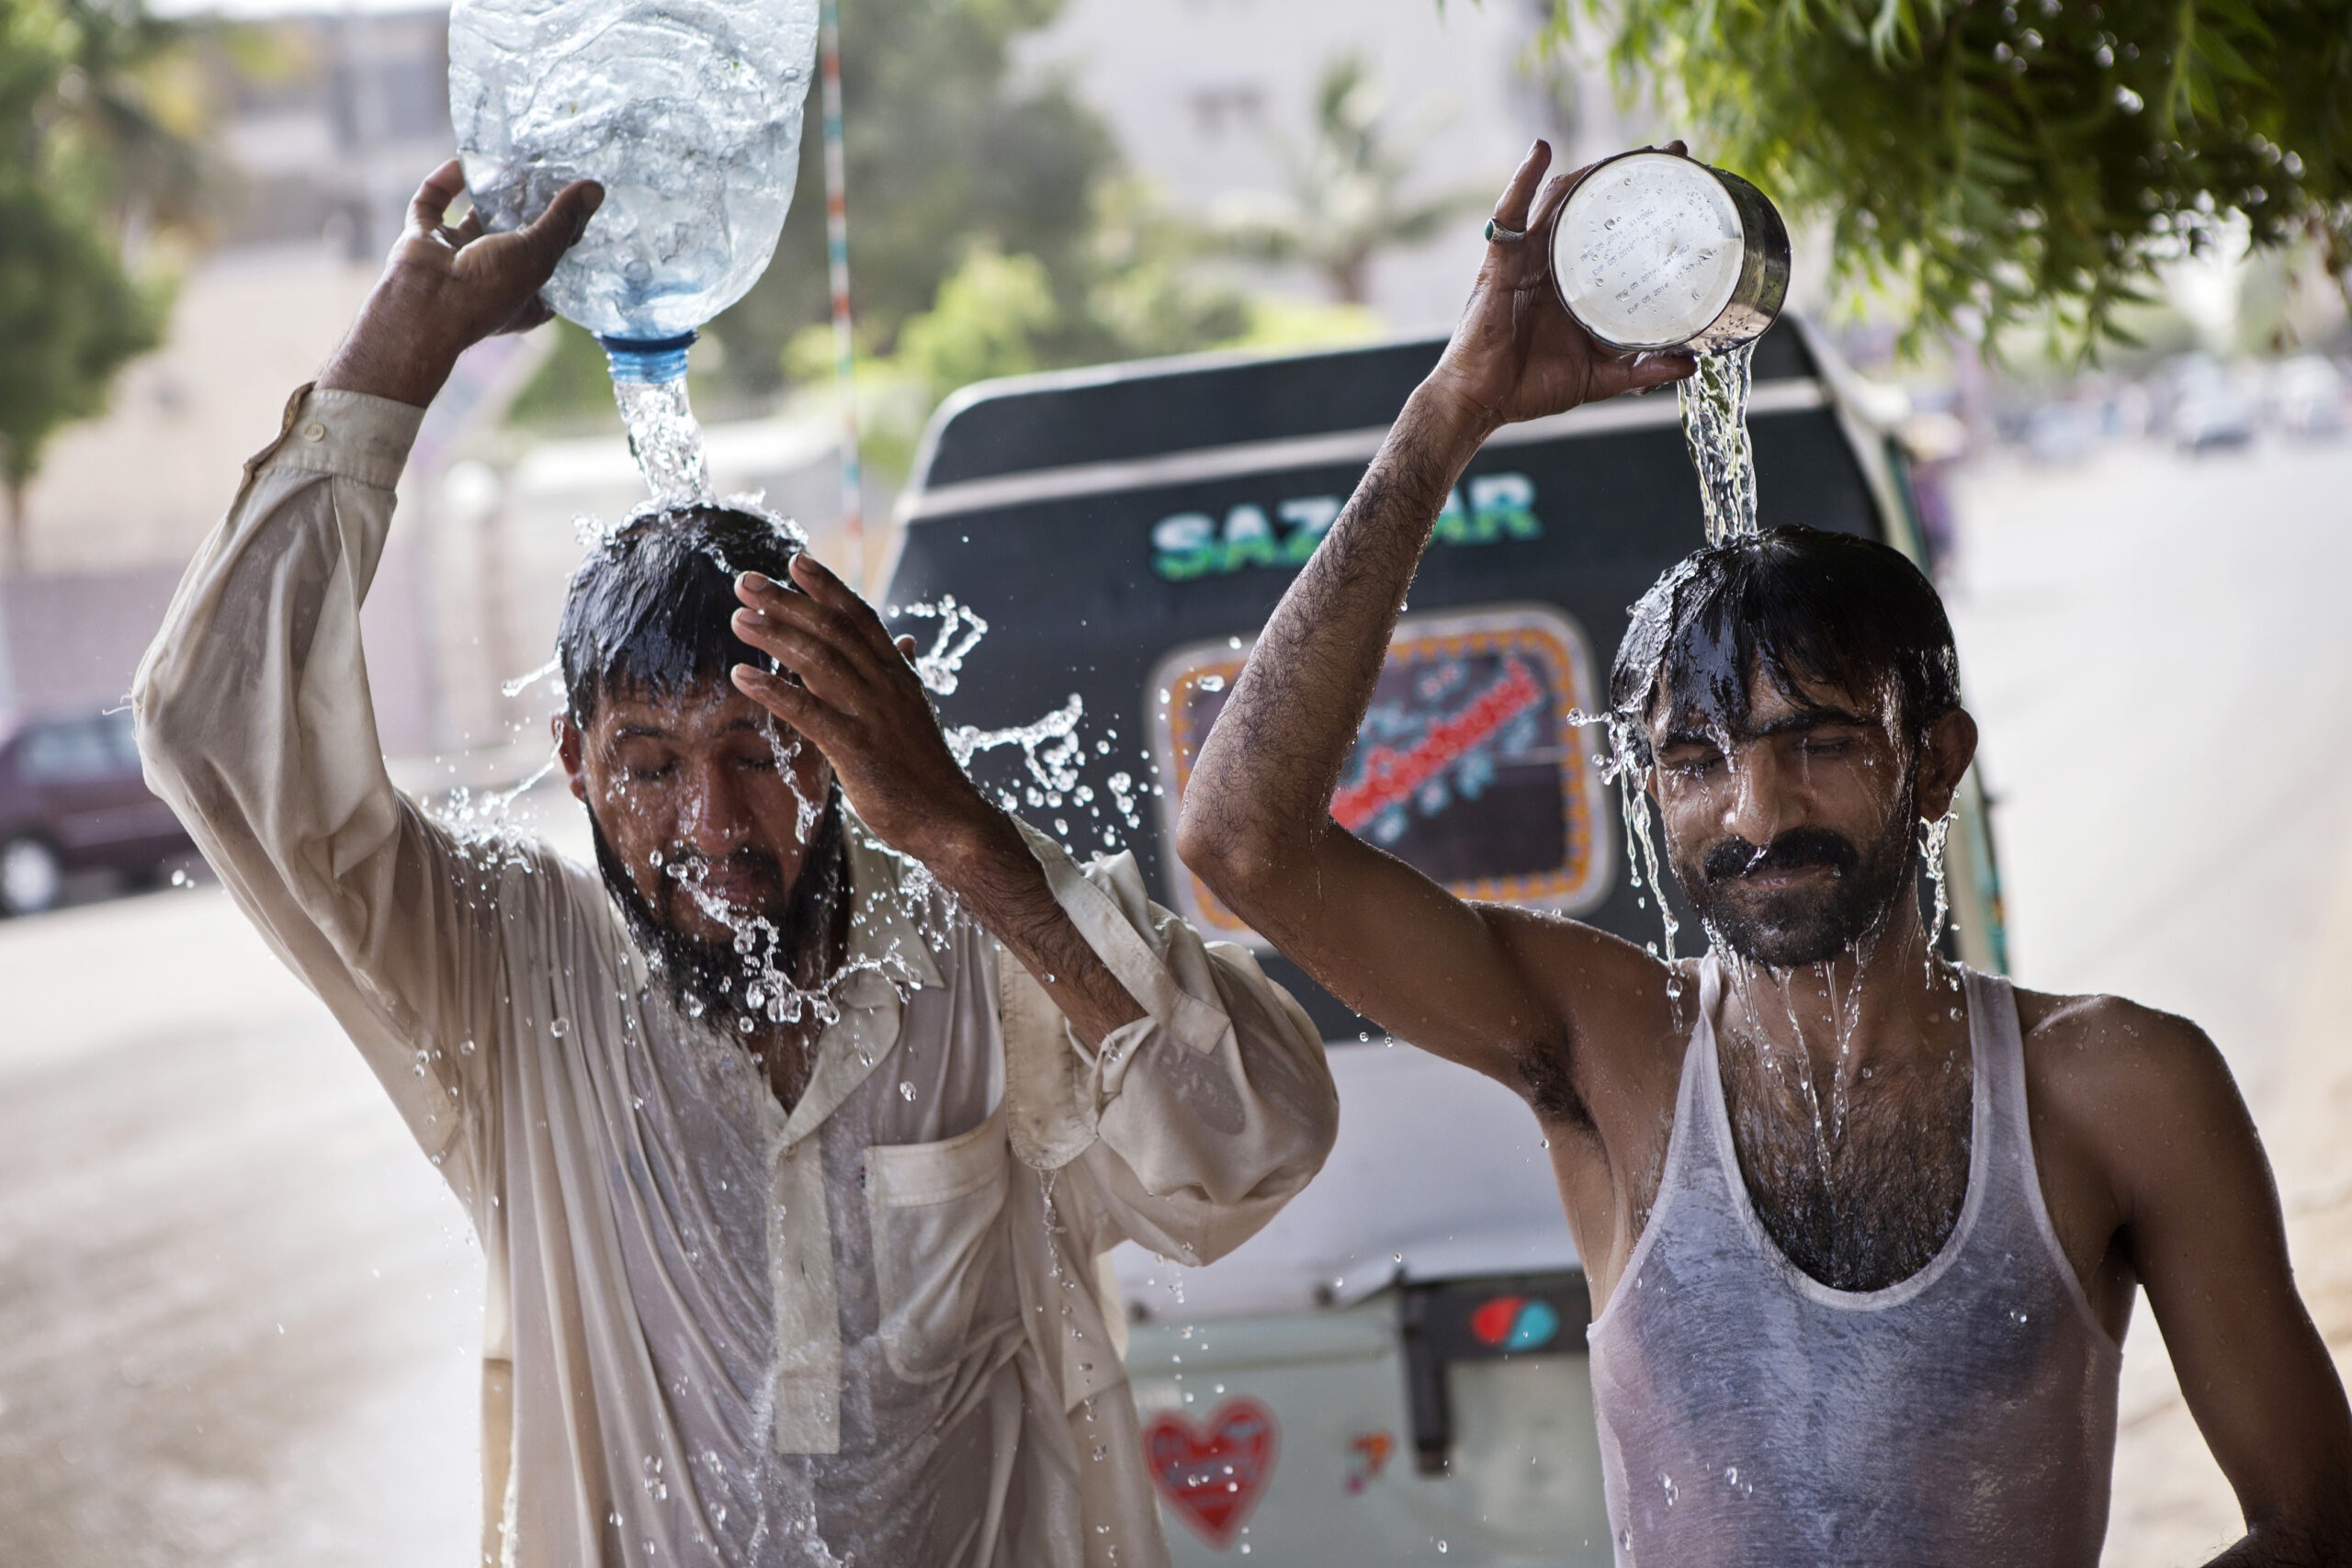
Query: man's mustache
point(1792, 851)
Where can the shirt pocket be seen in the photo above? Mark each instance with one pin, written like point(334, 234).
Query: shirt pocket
point(934, 1210)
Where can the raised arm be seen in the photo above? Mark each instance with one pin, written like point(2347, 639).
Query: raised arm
point(1190, 1089)
point(1257, 824)
point(254, 720)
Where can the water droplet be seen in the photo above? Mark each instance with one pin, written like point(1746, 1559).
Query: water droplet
point(906, 1089)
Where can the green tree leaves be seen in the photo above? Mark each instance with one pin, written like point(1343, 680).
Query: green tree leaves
point(2023, 163)
point(85, 164)
point(948, 148)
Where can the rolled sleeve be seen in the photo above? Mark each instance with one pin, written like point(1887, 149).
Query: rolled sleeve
point(352, 436)
point(1194, 1123)
point(255, 724)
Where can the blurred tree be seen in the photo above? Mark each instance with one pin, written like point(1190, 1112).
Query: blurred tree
point(956, 161)
point(1346, 201)
point(2023, 163)
point(89, 170)
point(948, 147)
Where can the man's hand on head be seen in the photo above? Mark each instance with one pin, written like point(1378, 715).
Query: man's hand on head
point(858, 699)
point(861, 703)
point(1516, 353)
point(447, 287)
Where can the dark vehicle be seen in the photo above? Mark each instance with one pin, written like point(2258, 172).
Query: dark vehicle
point(1394, 1367)
point(71, 800)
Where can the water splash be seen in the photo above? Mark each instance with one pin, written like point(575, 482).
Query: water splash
point(551, 670)
point(1714, 424)
point(665, 439)
point(1933, 836)
point(1621, 765)
point(960, 630)
point(1050, 750)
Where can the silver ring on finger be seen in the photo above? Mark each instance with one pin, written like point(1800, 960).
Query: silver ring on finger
point(1498, 234)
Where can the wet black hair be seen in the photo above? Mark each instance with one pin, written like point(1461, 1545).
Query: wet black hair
point(650, 611)
point(1806, 607)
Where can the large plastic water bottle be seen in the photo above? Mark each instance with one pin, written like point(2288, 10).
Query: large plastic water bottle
point(687, 111)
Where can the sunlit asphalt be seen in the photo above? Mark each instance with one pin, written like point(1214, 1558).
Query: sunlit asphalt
point(237, 1312)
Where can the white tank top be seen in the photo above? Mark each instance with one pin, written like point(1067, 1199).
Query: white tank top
point(1752, 1415)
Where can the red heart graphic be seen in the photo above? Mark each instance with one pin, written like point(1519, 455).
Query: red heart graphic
point(1213, 1477)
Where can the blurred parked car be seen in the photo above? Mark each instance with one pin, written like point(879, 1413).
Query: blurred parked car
point(71, 800)
point(2307, 394)
point(2210, 406)
point(2061, 433)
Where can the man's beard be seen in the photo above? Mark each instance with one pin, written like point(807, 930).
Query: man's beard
point(714, 979)
point(1800, 926)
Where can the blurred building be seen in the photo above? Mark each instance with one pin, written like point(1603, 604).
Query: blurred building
point(1207, 96)
point(327, 119)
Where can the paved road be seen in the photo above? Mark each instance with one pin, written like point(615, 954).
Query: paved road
point(237, 1311)
point(2159, 649)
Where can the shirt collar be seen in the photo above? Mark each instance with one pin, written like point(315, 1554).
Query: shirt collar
point(886, 951)
point(884, 942)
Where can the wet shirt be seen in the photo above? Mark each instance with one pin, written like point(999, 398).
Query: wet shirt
point(717, 1330)
point(1751, 1415)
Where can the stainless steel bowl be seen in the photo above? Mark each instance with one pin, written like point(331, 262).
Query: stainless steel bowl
point(1655, 249)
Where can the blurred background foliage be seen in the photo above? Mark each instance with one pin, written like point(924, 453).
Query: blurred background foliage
point(100, 123)
point(991, 229)
point(994, 231)
point(2021, 164)
point(1347, 192)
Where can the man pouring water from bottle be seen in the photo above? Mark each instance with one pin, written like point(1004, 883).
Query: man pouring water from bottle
point(1863, 1229)
point(796, 1131)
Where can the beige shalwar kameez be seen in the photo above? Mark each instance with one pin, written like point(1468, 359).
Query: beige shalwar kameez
point(873, 1328)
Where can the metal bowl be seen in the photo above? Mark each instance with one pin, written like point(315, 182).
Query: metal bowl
point(1655, 249)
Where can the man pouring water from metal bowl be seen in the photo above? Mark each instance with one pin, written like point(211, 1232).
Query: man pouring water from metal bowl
point(1863, 1229)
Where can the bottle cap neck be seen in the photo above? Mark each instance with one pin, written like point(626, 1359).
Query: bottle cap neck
point(647, 361)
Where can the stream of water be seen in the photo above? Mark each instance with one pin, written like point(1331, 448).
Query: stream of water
point(665, 440)
point(1714, 424)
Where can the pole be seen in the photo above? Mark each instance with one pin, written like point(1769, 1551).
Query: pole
point(837, 267)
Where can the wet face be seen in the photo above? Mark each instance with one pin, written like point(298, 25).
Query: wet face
point(698, 794)
point(1794, 833)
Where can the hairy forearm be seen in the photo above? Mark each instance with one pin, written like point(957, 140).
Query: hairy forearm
point(399, 347)
point(988, 866)
point(1270, 765)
